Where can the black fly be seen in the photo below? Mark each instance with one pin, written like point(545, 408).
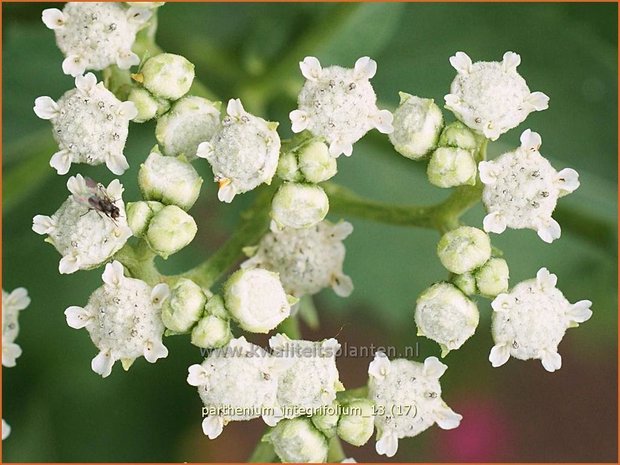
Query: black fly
point(97, 199)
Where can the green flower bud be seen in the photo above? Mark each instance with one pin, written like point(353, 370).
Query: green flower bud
point(288, 169)
point(357, 422)
point(184, 307)
point(167, 76)
point(211, 332)
point(457, 135)
point(215, 306)
point(464, 249)
point(139, 215)
point(417, 123)
point(466, 282)
point(451, 167)
point(299, 206)
point(298, 441)
point(492, 277)
point(327, 420)
point(170, 230)
point(172, 181)
point(316, 164)
point(147, 105)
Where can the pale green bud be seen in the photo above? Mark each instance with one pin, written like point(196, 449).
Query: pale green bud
point(451, 167)
point(288, 169)
point(466, 282)
point(170, 230)
point(170, 180)
point(299, 206)
point(316, 164)
point(211, 332)
point(298, 441)
point(167, 75)
point(357, 421)
point(215, 306)
point(492, 277)
point(327, 420)
point(464, 249)
point(457, 135)
point(417, 124)
point(148, 106)
point(139, 215)
point(184, 307)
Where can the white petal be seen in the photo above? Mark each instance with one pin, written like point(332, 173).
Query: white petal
point(102, 364)
point(511, 61)
point(69, 264)
point(154, 350)
point(6, 430)
point(530, 140)
point(78, 186)
point(18, 299)
point(113, 274)
point(545, 279)
point(77, 317)
point(310, 68)
point(433, 368)
point(138, 15)
point(500, 353)
point(568, 180)
point(336, 148)
point(342, 230)
point(235, 108)
point(86, 83)
point(226, 193)
point(446, 418)
point(494, 222)
point(580, 311)
point(53, 18)
point(116, 163)
point(342, 285)
point(491, 131)
point(551, 360)
point(160, 293)
point(299, 120)
point(212, 426)
point(10, 353)
point(452, 101)
point(61, 162)
point(42, 224)
point(365, 68)
point(272, 420)
point(45, 107)
point(330, 347)
point(382, 120)
point(538, 101)
point(279, 341)
point(387, 444)
point(125, 59)
point(115, 190)
point(549, 230)
point(205, 150)
point(501, 303)
point(488, 175)
point(197, 375)
point(74, 65)
point(128, 110)
point(380, 366)
point(461, 62)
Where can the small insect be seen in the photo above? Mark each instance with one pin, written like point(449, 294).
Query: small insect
point(96, 198)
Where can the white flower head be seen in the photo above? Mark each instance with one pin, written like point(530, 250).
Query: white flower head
point(339, 104)
point(93, 36)
point(491, 97)
point(530, 321)
point(409, 394)
point(307, 260)
point(521, 189)
point(12, 304)
point(298, 206)
point(6, 429)
point(445, 315)
point(85, 236)
point(123, 318)
point(167, 76)
point(235, 383)
point(243, 152)
point(89, 124)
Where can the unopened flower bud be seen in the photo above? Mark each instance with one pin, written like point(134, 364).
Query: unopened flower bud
point(184, 307)
point(139, 215)
point(466, 282)
point(451, 167)
point(147, 104)
point(464, 249)
point(170, 180)
point(316, 164)
point(417, 124)
point(299, 205)
point(327, 420)
point(170, 230)
point(211, 332)
point(167, 75)
point(457, 135)
point(298, 441)
point(288, 168)
point(215, 306)
point(492, 277)
point(357, 422)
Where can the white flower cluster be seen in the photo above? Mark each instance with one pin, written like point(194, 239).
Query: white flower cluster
point(123, 318)
point(90, 125)
point(307, 260)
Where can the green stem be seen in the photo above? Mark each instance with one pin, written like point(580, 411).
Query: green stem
point(335, 453)
point(263, 453)
point(139, 259)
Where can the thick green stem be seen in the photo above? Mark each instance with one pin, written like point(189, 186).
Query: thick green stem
point(263, 453)
point(335, 453)
point(139, 259)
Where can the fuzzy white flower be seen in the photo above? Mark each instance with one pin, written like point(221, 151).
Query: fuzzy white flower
point(521, 189)
point(243, 152)
point(445, 315)
point(235, 383)
point(530, 321)
point(408, 400)
point(339, 104)
point(6, 429)
point(96, 35)
point(307, 260)
point(308, 378)
point(491, 97)
point(12, 304)
point(123, 318)
point(89, 124)
point(85, 236)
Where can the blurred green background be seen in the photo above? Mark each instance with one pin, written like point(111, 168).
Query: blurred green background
point(61, 411)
